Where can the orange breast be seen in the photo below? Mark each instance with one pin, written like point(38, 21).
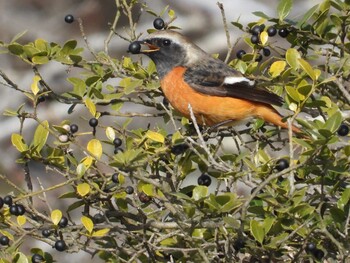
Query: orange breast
point(207, 109)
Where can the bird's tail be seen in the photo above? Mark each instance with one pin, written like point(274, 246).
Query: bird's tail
point(269, 114)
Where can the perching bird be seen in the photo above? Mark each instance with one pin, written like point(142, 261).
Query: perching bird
point(216, 92)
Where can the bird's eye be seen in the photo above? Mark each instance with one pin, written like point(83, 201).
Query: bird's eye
point(166, 42)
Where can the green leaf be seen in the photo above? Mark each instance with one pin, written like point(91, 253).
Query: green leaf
point(91, 106)
point(200, 192)
point(56, 216)
point(40, 135)
point(94, 146)
point(277, 68)
point(307, 68)
point(292, 56)
point(293, 93)
point(307, 16)
point(81, 169)
point(19, 257)
point(155, 136)
point(69, 46)
point(284, 8)
point(83, 189)
point(333, 123)
point(15, 49)
point(40, 60)
point(261, 14)
point(88, 224)
point(257, 230)
point(18, 141)
point(344, 199)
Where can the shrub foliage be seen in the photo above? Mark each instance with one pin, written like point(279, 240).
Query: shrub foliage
point(127, 184)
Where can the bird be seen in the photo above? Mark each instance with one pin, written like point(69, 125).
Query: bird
point(193, 80)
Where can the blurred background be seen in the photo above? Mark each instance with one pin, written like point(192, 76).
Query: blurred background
point(200, 20)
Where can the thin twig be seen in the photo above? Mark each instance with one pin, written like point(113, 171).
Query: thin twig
point(228, 38)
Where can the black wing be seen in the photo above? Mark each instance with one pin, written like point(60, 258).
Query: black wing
point(210, 78)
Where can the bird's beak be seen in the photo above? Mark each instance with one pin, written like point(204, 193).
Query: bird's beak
point(150, 47)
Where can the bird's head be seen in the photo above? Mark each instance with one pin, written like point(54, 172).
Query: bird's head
point(169, 49)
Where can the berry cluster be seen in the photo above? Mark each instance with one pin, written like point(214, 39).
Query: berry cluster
point(14, 209)
point(255, 39)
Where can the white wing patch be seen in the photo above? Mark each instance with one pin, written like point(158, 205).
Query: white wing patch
point(233, 80)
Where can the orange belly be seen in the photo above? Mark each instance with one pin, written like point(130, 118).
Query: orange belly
point(207, 109)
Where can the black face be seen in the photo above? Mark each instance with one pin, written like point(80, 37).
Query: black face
point(166, 54)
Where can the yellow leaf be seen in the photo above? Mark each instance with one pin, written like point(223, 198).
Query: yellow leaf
point(56, 216)
point(91, 106)
point(83, 189)
point(155, 136)
point(95, 147)
point(21, 220)
point(101, 232)
point(292, 56)
point(87, 161)
point(110, 133)
point(88, 224)
point(34, 86)
point(277, 68)
point(264, 37)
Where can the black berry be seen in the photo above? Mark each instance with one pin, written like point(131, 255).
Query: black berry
point(310, 247)
point(271, 31)
point(117, 142)
point(266, 52)
point(204, 179)
point(257, 29)
point(98, 218)
point(36, 258)
point(14, 210)
point(282, 164)
point(283, 32)
point(60, 245)
point(1, 202)
point(179, 149)
point(74, 128)
point(93, 122)
point(158, 23)
point(343, 130)
point(20, 209)
point(144, 198)
point(63, 222)
point(46, 232)
point(254, 39)
point(134, 47)
point(8, 200)
point(69, 19)
point(238, 244)
point(318, 254)
point(240, 54)
point(129, 190)
point(115, 178)
point(258, 57)
point(4, 240)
